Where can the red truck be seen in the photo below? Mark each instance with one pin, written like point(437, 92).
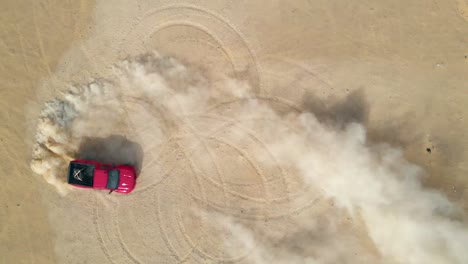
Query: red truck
point(104, 176)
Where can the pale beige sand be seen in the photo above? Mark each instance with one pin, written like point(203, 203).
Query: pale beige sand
point(33, 37)
point(400, 68)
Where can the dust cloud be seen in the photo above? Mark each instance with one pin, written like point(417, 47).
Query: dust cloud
point(369, 184)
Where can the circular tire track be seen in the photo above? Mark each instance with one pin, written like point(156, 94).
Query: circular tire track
point(184, 181)
point(223, 32)
point(185, 168)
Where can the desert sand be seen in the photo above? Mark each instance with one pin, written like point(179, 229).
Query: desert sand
point(263, 131)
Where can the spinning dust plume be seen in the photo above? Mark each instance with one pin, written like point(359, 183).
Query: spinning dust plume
point(370, 184)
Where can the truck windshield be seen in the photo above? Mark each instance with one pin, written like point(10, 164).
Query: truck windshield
point(113, 180)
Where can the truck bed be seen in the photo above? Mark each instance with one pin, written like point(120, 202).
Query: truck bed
point(81, 174)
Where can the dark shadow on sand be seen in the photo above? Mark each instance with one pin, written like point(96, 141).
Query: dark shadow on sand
point(351, 109)
point(113, 149)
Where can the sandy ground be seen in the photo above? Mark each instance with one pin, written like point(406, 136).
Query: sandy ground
point(399, 68)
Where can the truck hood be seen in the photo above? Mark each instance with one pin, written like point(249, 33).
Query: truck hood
point(127, 180)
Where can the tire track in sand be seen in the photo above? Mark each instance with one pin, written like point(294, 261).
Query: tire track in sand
point(221, 30)
point(179, 173)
